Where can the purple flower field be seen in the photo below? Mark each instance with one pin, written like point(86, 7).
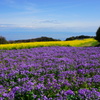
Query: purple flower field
point(50, 73)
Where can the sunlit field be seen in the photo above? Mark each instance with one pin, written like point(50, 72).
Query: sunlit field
point(74, 43)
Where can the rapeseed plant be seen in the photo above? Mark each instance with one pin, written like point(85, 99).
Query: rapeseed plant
point(75, 43)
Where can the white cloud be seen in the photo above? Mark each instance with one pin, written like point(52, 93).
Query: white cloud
point(64, 26)
point(50, 21)
point(8, 25)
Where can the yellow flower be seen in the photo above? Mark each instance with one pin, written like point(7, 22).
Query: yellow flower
point(9, 89)
point(75, 43)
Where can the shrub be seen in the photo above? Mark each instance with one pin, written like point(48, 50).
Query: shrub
point(98, 35)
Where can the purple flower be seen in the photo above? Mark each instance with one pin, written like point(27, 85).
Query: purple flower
point(30, 83)
point(94, 91)
point(34, 96)
point(1, 98)
point(15, 89)
point(40, 86)
point(45, 98)
point(98, 94)
point(83, 91)
point(96, 78)
point(11, 95)
point(5, 94)
point(69, 92)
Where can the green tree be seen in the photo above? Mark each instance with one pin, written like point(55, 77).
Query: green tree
point(98, 34)
point(3, 40)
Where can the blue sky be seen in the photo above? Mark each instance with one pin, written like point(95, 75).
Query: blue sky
point(50, 15)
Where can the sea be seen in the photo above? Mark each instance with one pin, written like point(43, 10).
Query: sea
point(18, 35)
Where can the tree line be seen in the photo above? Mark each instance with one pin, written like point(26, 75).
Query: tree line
point(79, 37)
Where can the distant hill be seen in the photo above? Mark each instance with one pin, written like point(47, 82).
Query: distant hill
point(35, 40)
point(79, 37)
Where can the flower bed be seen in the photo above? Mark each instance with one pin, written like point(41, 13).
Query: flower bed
point(50, 73)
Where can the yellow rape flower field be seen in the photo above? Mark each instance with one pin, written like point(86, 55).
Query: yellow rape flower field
point(74, 43)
